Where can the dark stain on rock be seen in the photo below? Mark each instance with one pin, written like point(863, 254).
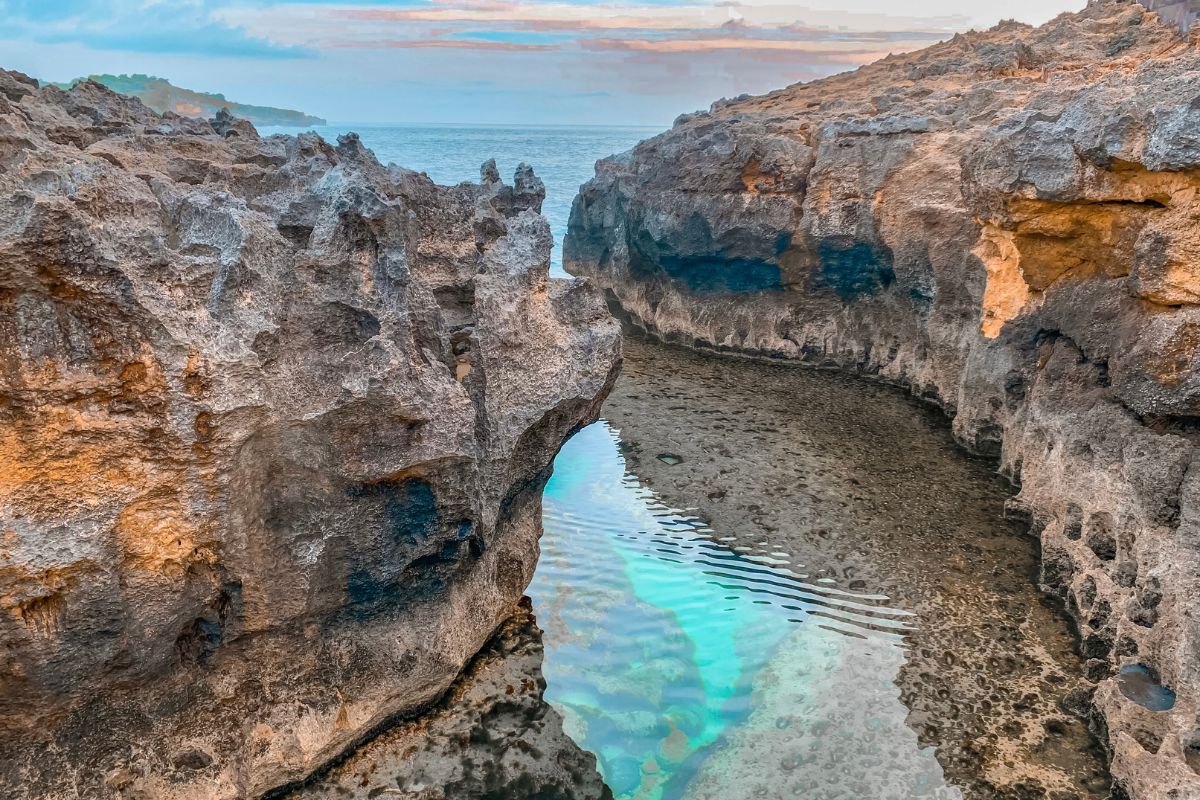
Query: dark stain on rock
point(704, 274)
point(362, 588)
point(693, 260)
point(410, 522)
point(852, 268)
point(411, 512)
point(782, 242)
point(410, 506)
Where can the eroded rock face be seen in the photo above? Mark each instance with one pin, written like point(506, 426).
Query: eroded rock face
point(1006, 223)
point(492, 736)
point(274, 425)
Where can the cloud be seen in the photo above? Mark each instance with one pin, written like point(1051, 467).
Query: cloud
point(422, 60)
point(451, 44)
point(648, 16)
point(684, 52)
point(145, 26)
point(545, 15)
point(810, 49)
point(506, 26)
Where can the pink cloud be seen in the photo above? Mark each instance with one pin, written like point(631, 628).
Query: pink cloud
point(653, 17)
point(543, 15)
point(451, 44)
point(824, 50)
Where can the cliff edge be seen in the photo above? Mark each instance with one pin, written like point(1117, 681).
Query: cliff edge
point(1005, 223)
point(274, 425)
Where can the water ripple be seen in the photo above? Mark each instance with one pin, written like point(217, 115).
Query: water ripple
point(670, 652)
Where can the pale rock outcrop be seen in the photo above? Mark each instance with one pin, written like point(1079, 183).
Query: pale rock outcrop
point(1181, 13)
point(1006, 223)
point(274, 424)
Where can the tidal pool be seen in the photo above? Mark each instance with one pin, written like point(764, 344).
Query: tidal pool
point(674, 658)
point(845, 643)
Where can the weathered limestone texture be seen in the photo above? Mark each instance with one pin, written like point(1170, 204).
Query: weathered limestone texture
point(492, 736)
point(274, 425)
point(1008, 223)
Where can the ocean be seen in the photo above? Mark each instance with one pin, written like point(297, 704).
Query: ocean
point(562, 156)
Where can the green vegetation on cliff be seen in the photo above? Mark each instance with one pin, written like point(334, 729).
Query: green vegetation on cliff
point(160, 95)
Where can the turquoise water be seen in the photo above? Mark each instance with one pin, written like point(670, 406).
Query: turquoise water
point(563, 157)
point(695, 671)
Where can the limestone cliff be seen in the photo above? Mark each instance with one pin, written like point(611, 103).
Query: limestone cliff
point(1006, 223)
point(274, 425)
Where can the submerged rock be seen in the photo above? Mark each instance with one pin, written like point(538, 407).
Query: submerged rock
point(1138, 684)
point(274, 425)
point(1005, 223)
point(927, 633)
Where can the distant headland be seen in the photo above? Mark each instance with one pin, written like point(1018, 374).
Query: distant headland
point(161, 95)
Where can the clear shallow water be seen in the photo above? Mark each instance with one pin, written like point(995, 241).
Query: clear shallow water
point(563, 157)
point(854, 618)
point(687, 666)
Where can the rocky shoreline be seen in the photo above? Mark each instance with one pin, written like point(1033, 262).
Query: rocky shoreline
point(275, 421)
point(1004, 224)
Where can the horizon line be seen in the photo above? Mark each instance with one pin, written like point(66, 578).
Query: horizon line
point(340, 123)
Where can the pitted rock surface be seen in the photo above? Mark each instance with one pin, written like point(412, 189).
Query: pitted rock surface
point(492, 736)
point(274, 424)
point(1006, 223)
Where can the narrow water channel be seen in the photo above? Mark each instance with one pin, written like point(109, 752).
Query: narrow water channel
point(812, 593)
point(767, 581)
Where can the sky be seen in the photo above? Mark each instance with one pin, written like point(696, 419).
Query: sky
point(637, 62)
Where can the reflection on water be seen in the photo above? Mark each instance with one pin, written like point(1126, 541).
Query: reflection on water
point(689, 667)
